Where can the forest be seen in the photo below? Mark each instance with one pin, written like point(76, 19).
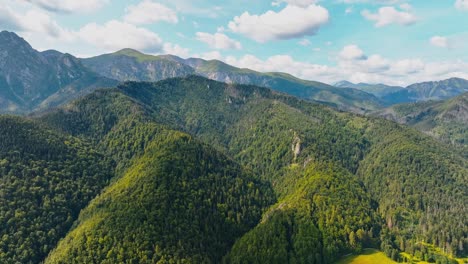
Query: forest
point(190, 170)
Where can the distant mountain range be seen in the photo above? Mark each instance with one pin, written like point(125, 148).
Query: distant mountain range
point(426, 91)
point(380, 90)
point(32, 80)
point(445, 120)
point(132, 65)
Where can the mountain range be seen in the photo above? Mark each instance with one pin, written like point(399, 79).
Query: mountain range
point(445, 120)
point(32, 80)
point(35, 80)
point(418, 92)
point(205, 171)
point(131, 65)
point(171, 166)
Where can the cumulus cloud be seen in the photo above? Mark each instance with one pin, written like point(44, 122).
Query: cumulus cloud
point(218, 41)
point(300, 3)
point(115, 35)
point(70, 6)
point(33, 21)
point(390, 15)
point(373, 69)
point(212, 55)
point(462, 5)
point(147, 12)
point(381, 2)
point(352, 52)
point(291, 22)
point(305, 42)
point(175, 49)
point(438, 41)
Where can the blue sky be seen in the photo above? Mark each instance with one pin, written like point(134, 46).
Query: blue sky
point(379, 41)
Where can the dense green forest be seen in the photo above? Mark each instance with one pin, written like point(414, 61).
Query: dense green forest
point(46, 178)
point(180, 202)
point(280, 137)
point(207, 172)
point(444, 120)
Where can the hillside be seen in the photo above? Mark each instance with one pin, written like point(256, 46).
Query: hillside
point(444, 120)
point(46, 178)
point(32, 80)
point(316, 152)
point(131, 65)
point(179, 202)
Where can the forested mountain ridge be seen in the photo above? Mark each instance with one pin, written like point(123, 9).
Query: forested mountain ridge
point(30, 79)
point(445, 120)
point(46, 178)
point(179, 202)
point(418, 92)
point(131, 65)
point(316, 151)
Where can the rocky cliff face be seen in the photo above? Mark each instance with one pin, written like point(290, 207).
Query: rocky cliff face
point(28, 77)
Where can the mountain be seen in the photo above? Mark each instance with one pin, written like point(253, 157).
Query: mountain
point(131, 65)
point(445, 120)
point(32, 80)
point(379, 90)
point(46, 178)
point(439, 90)
point(340, 182)
point(181, 202)
point(426, 91)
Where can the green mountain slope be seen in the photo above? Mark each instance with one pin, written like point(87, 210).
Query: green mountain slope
point(328, 215)
point(444, 120)
point(290, 143)
point(30, 79)
point(180, 202)
point(46, 178)
point(131, 65)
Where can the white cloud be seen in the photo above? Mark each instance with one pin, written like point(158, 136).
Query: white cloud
point(290, 22)
point(438, 41)
point(462, 5)
point(373, 69)
point(299, 3)
point(70, 6)
point(390, 15)
point(147, 12)
point(305, 42)
point(212, 55)
point(406, 7)
point(352, 52)
point(115, 35)
point(380, 2)
point(218, 41)
point(175, 49)
point(349, 10)
point(33, 21)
